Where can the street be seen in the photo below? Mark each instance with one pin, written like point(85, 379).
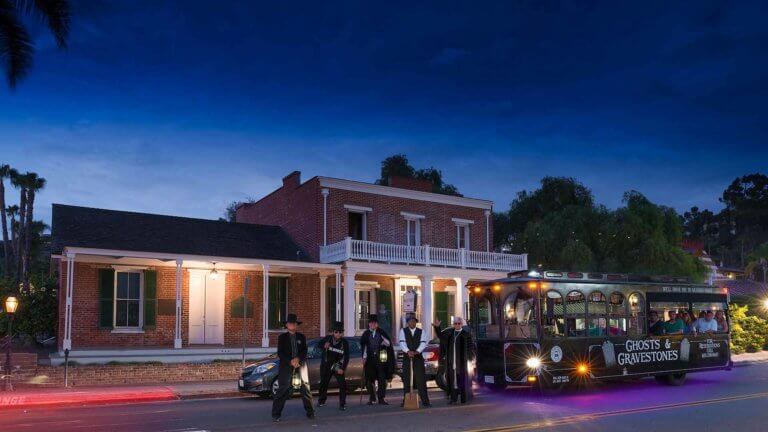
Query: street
point(725, 400)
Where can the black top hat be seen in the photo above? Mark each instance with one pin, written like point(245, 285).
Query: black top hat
point(292, 319)
point(338, 326)
point(411, 316)
point(373, 318)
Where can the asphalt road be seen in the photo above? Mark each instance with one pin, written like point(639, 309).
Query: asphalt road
point(731, 401)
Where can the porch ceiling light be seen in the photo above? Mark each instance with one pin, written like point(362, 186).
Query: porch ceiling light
point(214, 273)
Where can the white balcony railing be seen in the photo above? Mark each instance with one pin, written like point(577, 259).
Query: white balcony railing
point(362, 250)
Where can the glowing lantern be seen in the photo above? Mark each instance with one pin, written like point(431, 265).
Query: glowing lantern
point(383, 356)
point(296, 380)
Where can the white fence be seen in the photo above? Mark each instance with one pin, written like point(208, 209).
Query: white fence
point(362, 250)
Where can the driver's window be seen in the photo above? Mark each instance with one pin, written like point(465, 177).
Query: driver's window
point(486, 319)
point(519, 317)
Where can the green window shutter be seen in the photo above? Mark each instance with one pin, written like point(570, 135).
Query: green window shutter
point(278, 290)
point(106, 298)
point(441, 307)
point(150, 299)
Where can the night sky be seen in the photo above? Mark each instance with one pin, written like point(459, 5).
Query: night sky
point(181, 107)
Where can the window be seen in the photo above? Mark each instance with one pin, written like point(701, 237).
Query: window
point(636, 324)
point(363, 308)
point(413, 232)
point(278, 293)
point(330, 301)
point(462, 236)
point(554, 314)
point(597, 311)
point(617, 315)
point(519, 317)
point(127, 299)
point(486, 319)
point(357, 225)
point(575, 313)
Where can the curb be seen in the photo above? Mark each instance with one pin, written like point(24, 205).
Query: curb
point(222, 395)
point(749, 363)
point(21, 402)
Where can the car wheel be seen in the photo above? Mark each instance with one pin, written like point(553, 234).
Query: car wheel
point(441, 381)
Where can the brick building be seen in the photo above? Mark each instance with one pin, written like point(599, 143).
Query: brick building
point(139, 286)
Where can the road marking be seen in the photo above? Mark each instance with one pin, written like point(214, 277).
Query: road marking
point(580, 418)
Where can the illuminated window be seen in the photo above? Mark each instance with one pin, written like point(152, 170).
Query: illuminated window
point(617, 314)
point(636, 324)
point(554, 314)
point(597, 314)
point(575, 313)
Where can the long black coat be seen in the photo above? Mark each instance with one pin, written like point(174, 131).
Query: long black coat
point(465, 349)
point(284, 351)
point(390, 366)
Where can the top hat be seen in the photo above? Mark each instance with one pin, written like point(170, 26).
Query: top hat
point(373, 318)
point(292, 319)
point(338, 326)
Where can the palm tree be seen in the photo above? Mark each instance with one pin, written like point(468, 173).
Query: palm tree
point(5, 172)
point(19, 181)
point(16, 45)
point(34, 184)
point(12, 212)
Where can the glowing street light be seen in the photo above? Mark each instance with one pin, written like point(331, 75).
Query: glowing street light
point(11, 304)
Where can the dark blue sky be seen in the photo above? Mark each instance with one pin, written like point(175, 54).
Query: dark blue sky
point(181, 107)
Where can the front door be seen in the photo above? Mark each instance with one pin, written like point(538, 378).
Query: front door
point(206, 308)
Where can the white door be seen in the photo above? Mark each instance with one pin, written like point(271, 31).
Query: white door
point(206, 308)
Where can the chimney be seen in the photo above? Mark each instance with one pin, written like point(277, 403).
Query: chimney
point(410, 183)
point(292, 180)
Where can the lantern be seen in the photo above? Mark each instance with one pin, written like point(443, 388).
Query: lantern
point(383, 356)
point(296, 380)
point(11, 303)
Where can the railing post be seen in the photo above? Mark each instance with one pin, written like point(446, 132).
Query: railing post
point(348, 248)
point(426, 255)
point(463, 258)
point(525, 261)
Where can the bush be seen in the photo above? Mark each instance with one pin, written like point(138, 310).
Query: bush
point(749, 333)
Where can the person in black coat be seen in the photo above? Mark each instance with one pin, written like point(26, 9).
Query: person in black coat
point(334, 364)
point(292, 352)
point(373, 341)
point(456, 350)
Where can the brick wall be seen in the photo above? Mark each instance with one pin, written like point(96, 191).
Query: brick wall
point(303, 299)
point(298, 208)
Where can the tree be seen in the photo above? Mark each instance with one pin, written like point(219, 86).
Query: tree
point(398, 166)
point(16, 44)
point(758, 260)
point(34, 184)
point(230, 212)
point(5, 172)
point(19, 181)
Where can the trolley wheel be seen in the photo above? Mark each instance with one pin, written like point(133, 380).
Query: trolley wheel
point(671, 379)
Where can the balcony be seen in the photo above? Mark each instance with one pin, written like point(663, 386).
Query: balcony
point(362, 250)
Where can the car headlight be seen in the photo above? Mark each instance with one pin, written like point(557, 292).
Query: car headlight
point(533, 362)
point(264, 368)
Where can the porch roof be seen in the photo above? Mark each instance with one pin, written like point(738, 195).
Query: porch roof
point(84, 227)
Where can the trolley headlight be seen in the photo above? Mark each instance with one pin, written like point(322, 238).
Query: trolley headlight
point(582, 368)
point(533, 362)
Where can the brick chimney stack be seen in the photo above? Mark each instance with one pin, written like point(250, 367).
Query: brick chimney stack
point(292, 180)
point(410, 183)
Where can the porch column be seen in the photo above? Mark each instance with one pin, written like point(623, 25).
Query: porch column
point(70, 283)
point(426, 304)
point(349, 303)
point(487, 230)
point(265, 307)
point(179, 279)
point(338, 294)
point(460, 298)
point(323, 305)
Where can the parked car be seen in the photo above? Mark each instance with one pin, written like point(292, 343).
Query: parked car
point(432, 367)
point(261, 377)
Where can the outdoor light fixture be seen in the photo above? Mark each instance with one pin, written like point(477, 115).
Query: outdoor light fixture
point(497, 287)
point(532, 378)
point(478, 290)
point(296, 380)
point(383, 356)
point(11, 303)
point(533, 362)
point(765, 303)
point(214, 273)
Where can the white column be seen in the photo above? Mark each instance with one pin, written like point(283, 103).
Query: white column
point(67, 342)
point(265, 307)
point(179, 279)
point(349, 303)
point(323, 305)
point(487, 230)
point(426, 304)
point(325, 192)
point(460, 298)
point(338, 294)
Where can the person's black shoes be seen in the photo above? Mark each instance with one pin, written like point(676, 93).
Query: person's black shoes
point(427, 405)
point(371, 402)
point(321, 404)
point(383, 402)
point(342, 408)
point(311, 416)
point(275, 419)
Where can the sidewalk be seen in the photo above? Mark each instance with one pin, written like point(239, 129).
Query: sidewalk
point(81, 396)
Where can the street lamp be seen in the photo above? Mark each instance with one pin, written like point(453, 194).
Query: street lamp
point(11, 304)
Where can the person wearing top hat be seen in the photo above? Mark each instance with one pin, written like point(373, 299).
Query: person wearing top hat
point(334, 364)
point(456, 350)
point(373, 341)
point(412, 342)
point(292, 353)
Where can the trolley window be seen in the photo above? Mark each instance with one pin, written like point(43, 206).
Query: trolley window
point(636, 324)
point(554, 314)
point(519, 316)
point(487, 323)
point(575, 313)
point(597, 312)
point(617, 314)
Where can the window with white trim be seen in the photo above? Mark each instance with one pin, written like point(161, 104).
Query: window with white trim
point(413, 232)
point(462, 236)
point(128, 299)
